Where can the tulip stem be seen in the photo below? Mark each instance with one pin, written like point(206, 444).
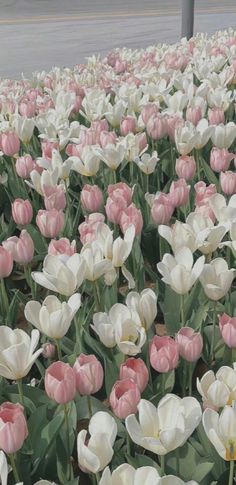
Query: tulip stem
point(128, 444)
point(20, 391)
point(58, 349)
point(5, 303)
point(67, 433)
point(190, 378)
point(231, 473)
point(182, 310)
point(97, 478)
point(213, 335)
point(96, 296)
point(14, 469)
point(90, 411)
point(30, 281)
point(162, 465)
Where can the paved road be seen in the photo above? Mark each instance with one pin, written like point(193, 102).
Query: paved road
point(37, 34)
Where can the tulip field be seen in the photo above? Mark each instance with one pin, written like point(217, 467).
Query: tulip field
point(117, 269)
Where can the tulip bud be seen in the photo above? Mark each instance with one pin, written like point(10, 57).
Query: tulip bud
point(13, 427)
point(120, 190)
point(162, 209)
point(89, 374)
point(25, 165)
point(91, 198)
point(6, 263)
point(10, 143)
point(157, 127)
point(194, 114)
point(49, 351)
point(50, 223)
point(60, 382)
point(55, 198)
point(179, 193)
point(21, 248)
point(185, 167)
point(228, 329)
point(216, 116)
point(124, 398)
point(131, 215)
point(164, 354)
point(228, 182)
point(220, 159)
point(27, 108)
point(128, 125)
point(148, 111)
point(136, 370)
point(190, 344)
point(22, 212)
point(114, 209)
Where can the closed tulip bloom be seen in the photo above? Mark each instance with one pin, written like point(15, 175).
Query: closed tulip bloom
point(91, 198)
point(17, 352)
point(227, 326)
point(190, 344)
point(131, 216)
point(194, 114)
point(148, 111)
point(60, 382)
point(204, 192)
point(55, 198)
point(104, 328)
point(95, 264)
point(215, 393)
point(220, 159)
point(53, 317)
point(145, 304)
point(50, 223)
point(216, 278)
point(61, 246)
point(128, 125)
point(136, 370)
point(167, 427)
point(162, 209)
point(120, 190)
point(179, 272)
point(89, 374)
point(216, 116)
point(114, 209)
point(228, 182)
point(157, 127)
point(126, 474)
point(185, 167)
point(223, 135)
point(221, 431)
point(49, 351)
point(179, 193)
point(13, 427)
point(124, 398)
point(95, 453)
point(25, 165)
point(88, 228)
point(22, 211)
point(21, 248)
point(164, 354)
point(107, 138)
point(6, 262)
point(10, 143)
point(63, 276)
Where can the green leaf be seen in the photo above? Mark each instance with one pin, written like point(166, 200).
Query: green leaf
point(46, 438)
point(39, 242)
point(211, 177)
point(171, 310)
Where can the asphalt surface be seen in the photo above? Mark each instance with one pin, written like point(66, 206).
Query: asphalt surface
point(39, 34)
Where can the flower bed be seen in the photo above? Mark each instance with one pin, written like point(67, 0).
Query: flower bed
point(117, 257)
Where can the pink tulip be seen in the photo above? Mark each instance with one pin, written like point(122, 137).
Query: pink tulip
point(142, 141)
point(148, 111)
point(6, 262)
point(131, 215)
point(220, 159)
point(128, 125)
point(228, 182)
point(21, 248)
point(124, 398)
point(73, 150)
point(190, 344)
point(164, 354)
point(89, 374)
point(60, 382)
point(227, 326)
point(49, 351)
point(50, 223)
point(172, 123)
point(88, 229)
point(120, 190)
point(194, 114)
point(206, 211)
point(107, 138)
point(55, 198)
point(13, 427)
point(77, 104)
point(25, 165)
point(216, 116)
point(157, 127)
point(48, 147)
point(10, 143)
point(61, 246)
point(22, 212)
point(179, 193)
point(91, 198)
point(185, 167)
point(114, 209)
point(100, 125)
point(204, 192)
point(162, 209)
point(136, 370)
point(27, 108)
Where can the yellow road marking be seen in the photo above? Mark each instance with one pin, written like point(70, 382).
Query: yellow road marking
point(111, 15)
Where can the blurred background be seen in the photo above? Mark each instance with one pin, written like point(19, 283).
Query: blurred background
point(39, 34)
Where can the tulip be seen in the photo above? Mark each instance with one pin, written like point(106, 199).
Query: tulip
point(114, 209)
point(223, 135)
point(10, 143)
point(185, 167)
point(60, 382)
point(216, 278)
point(13, 427)
point(61, 246)
point(24, 127)
point(215, 393)
point(125, 474)
point(204, 192)
point(6, 263)
point(159, 429)
point(179, 235)
point(221, 431)
point(88, 229)
point(63, 276)
point(220, 159)
point(53, 318)
point(194, 114)
point(145, 304)
point(55, 198)
point(131, 216)
point(111, 155)
point(124, 398)
point(120, 190)
point(16, 352)
point(96, 452)
point(185, 138)
point(50, 223)
point(179, 193)
point(227, 326)
point(22, 211)
point(157, 127)
point(104, 328)
point(95, 264)
point(179, 271)
point(25, 165)
point(87, 164)
point(224, 213)
point(147, 163)
point(164, 354)
point(228, 182)
point(148, 111)
point(21, 248)
point(136, 370)
point(91, 198)
point(216, 116)
point(89, 374)
point(190, 344)
point(128, 125)
point(207, 236)
point(107, 138)
point(49, 351)
point(162, 209)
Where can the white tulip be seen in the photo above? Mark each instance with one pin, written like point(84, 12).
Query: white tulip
point(221, 431)
point(207, 236)
point(97, 452)
point(166, 427)
point(88, 164)
point(224, 213)
point(45, 179)
point(147, 163)
point(215, 393)
point(24, 127)
point(127, 475)
point(61, 273)
point(104, 328)
point(216, 278)
point(111, 155)
point(3, 468)
point(17, 352)
point(171, 480)
point(115, 113)
point(95, 104)
point(185, 138)
point(176, 103)
point(145, 304)
point(131, 144)
point(53, 318)
point(179, 235)
point(232, 232)
point(223, 135)
point(95, 264)
point(179, 271)
point(203, 131)
point(56, 163)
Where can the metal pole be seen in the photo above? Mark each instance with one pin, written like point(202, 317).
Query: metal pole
point(187, 18)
